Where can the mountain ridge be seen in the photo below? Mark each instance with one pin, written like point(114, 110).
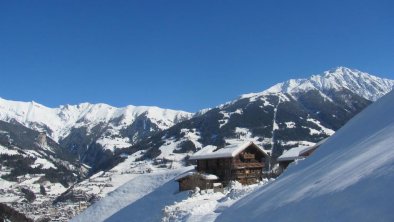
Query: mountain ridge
point(273, 118)
point(371, 88)
point(67, 116)
point(90, 130)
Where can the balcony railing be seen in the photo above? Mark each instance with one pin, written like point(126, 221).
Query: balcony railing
point(247, 175)
point(248, 165)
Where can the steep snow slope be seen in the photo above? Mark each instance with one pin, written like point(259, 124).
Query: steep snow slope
point(58, 122)
point(349, 178)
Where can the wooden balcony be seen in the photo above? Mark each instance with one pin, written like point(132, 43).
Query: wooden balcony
point(242, 165)
point(244, 175)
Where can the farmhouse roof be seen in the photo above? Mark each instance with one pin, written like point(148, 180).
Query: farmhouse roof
point(211, 152)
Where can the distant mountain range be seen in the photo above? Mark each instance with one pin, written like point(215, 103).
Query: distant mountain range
point(87, 130)
point(289, 113)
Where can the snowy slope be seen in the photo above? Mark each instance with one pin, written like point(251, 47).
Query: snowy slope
point(349, 178)
point(140, 199)
point(58, 122)
point(155, 197)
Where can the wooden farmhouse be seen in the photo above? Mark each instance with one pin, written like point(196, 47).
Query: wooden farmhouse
point(296, 153)
point(243, 163)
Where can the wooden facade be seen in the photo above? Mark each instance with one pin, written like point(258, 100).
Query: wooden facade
point(245, 167)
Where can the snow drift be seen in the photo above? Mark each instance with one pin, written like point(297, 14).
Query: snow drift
point(349, 178)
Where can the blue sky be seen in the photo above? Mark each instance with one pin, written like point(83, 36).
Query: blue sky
point(182, 54)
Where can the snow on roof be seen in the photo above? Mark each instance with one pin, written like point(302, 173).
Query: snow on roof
point(205, 176)
point(210, 152)
point(296, 152)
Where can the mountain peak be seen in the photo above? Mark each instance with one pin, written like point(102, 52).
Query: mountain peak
point(366, 85)
point(341, 69)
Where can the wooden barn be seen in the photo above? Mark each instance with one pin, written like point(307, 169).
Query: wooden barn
point(243, 163)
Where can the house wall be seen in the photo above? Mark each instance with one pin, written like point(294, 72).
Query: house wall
point(248, 166)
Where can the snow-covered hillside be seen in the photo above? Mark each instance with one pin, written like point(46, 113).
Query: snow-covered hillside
point(140, 199)
point(58, 122)
point(349, 178)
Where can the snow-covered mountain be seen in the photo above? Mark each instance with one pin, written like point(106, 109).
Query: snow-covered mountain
point(365, 85)
point(43, 150)
point(349, 178)
point(296, 112)
point(91, 130)
point(59, 122)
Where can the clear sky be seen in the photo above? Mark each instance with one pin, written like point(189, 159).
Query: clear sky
point(183, 54)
